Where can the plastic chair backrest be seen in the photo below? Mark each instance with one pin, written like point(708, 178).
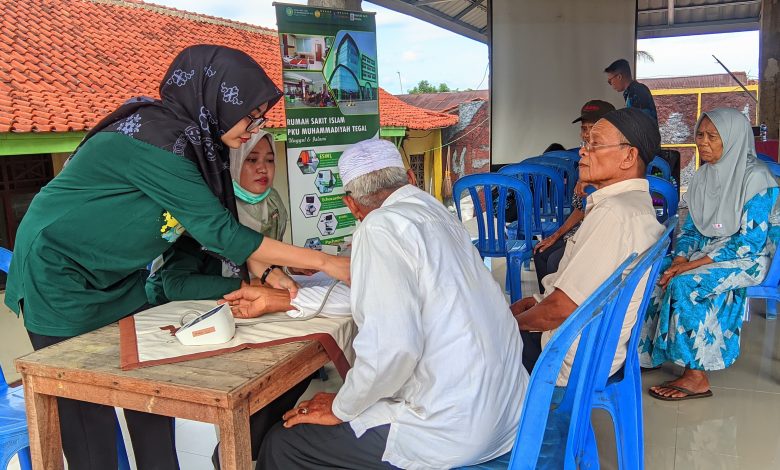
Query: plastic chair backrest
point(549, 193)
point(774, 167)
point(648, 262)
point(491, 227)
point(765, 158)
point(668, 193)
point(5, 259)
point(661, 165)
point(568, 168)
point(584, 324)
point(570, 155)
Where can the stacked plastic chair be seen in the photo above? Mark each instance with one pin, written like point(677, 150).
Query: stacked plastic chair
point(621, 394)
point(660, 166)
point(548, 192)
point(554, 431)
point(492, 241)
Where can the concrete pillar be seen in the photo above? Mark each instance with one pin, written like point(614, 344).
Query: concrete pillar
point(769, 67)
point(353, 5)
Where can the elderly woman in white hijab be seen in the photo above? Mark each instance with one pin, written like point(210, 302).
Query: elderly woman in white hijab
point(187, 271)
point(725, 245)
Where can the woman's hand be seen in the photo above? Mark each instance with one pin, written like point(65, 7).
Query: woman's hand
point(337, 267)
point(254, 301)
point(579, 189)
point(679, 266)
point(279, 280)
point(546, 243)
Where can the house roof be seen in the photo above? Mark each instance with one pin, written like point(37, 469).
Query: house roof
point(64, 64)
point(394, 112)
point(445, 102)
point(697, 81)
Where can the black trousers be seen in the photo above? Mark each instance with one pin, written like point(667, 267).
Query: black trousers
point(262, 421)
point(547, 261)
point(315, 447)
point(89, 431)
point(532, 348)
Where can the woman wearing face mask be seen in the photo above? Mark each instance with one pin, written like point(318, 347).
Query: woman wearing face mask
point(725, 245)
point(188, 271)
point(146, 173)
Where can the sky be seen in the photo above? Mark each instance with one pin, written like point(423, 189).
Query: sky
point(410, 50)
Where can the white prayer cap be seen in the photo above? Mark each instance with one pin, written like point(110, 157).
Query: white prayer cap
point(367, 156)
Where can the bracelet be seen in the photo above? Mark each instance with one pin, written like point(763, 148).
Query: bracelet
point(267, 272)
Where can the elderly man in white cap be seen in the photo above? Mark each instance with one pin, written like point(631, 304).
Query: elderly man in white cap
point(438, 380)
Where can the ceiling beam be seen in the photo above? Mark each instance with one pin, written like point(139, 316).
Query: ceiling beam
point(465, 11)
point(701, 7)
point(435, 17)
point(421, 3)
point(691, 29)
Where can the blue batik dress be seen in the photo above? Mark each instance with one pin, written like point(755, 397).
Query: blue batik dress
point(696, 322)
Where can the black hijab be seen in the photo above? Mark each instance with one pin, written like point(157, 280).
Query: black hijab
point(205, 92)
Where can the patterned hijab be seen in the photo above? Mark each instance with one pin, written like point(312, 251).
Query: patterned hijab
point(719, 191)
point(205, 92)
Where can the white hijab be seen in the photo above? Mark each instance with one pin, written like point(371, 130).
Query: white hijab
point(719, 191)
point(257, 216)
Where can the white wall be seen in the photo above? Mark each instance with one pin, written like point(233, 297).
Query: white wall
point(547, 60)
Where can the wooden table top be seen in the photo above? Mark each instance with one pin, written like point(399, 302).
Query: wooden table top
point(93, 358)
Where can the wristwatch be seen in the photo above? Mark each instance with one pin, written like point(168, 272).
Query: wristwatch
point(267, 272)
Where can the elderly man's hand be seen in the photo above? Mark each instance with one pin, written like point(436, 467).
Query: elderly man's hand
point(522, 305)
point(318, 410)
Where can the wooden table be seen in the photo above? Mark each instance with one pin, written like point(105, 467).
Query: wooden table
point(224, 390)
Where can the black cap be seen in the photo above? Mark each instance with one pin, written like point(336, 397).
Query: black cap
point(639, 129)
point(594, 110)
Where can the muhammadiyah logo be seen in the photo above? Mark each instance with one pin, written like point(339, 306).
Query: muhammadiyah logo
point(289, 11)
point(317, 13)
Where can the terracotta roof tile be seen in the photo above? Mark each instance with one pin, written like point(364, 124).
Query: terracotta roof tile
point(66, 63)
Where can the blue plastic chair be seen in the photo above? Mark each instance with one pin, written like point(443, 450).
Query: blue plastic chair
point(571, 155)
point(567, 167)
point(554, 430)
point(492, 241)
point(660, 165)
point(621, 394)
point(765, 158)
point(13, 424)
point(667, 193)
point(13, 421)
point(548, 196)
point(774, 167)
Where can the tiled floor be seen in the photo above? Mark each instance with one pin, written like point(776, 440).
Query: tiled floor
point(738, 428)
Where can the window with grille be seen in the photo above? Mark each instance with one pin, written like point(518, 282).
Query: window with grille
point(418, 167)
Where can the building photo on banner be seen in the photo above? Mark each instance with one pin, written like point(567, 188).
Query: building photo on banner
point(331, 99)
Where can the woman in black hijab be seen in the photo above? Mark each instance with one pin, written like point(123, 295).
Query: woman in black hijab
point(147, 172)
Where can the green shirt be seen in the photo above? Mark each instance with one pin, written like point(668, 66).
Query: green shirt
point(87, 236)
point(189, 273)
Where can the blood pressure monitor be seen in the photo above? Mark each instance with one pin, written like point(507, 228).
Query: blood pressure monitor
point(216, 326)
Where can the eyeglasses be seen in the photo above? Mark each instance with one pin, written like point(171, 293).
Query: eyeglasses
point(589, 147)
point(609, 79)
point(255, 122)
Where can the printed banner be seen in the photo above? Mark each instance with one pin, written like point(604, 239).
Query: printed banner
point(331, 99)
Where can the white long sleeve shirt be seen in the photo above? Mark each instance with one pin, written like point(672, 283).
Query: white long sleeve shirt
point(438, 353)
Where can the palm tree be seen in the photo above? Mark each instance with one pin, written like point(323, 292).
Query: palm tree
point(644, 56)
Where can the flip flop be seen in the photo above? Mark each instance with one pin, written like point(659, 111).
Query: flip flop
point(648, 369)
point(689, 395)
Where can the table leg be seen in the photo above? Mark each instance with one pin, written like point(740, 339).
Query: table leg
point(235, 447)
point(44, 428)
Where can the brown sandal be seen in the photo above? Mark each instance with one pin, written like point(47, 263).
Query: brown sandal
point(689, 395)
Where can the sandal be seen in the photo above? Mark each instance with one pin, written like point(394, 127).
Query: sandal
point(689, 395)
